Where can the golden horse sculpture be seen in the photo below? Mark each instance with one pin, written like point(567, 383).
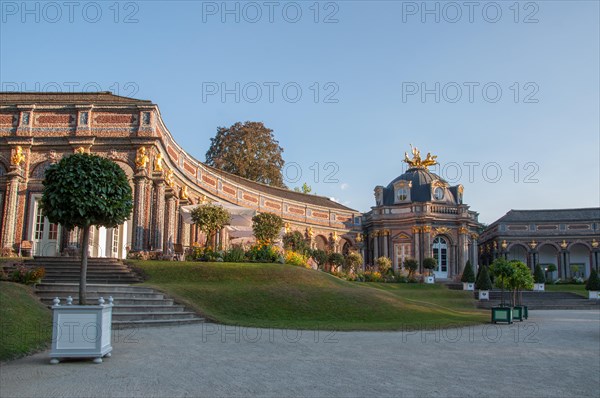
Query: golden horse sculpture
point(416, 161)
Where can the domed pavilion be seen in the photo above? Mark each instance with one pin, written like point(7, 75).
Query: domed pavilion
point(419, 215)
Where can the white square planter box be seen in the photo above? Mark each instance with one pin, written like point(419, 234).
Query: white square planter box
point(593, 295)
point(539, 287)
point(484, 295)
point(429, 279)
point(468, 286)
point(81, 331)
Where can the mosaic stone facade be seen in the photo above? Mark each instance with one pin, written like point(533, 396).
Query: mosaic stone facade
point(44, 127)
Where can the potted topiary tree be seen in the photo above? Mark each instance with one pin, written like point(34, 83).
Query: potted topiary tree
point(539, 279)
point(411, 265)
point(484, 283)
point(593, 285)
point(429, 264)
point(520, 279)
point(468, 277)
point(551, 270)
point(82, 191)
point(502, 271)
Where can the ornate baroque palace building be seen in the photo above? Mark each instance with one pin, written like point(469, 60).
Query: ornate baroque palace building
point(420, 215)
point(565, 238)
point(38, 129)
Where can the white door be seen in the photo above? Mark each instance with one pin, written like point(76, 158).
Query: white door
point(401, 253)
point(440, 253)
point(45, 234)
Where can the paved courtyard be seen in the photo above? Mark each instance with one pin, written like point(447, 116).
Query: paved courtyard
point(554, 354)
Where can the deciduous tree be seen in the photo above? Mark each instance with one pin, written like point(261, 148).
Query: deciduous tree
point(248, 150)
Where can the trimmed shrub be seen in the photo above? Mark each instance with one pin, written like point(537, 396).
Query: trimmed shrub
point(234, 255)
point(336, 259)
point(295, 241)
point(354, 262)
point(593, 283)
point(538, 274)
point(384, 264)
point(411, 265)
point(468, 275)
point(483, 281)
point(321, 257)
point(27, 276)
point(429, 263)
point(266, 227)
point(263, 254)
point(294, 258)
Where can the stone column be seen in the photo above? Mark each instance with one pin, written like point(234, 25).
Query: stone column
point(158, 227)
point(427, 241)
point(184, 228)
point(375, 246)
point(417, 243)
point(463, 249)
point(139, 210)
point(170, 222)
point(386, 243)
point(13, 183)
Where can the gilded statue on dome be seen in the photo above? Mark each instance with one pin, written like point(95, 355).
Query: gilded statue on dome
point(416, 160)
point(18, 157)
point(141, 159)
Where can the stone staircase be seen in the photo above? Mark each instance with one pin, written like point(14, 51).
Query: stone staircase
point(99, 270)
point(134, 306)
point(544, 301)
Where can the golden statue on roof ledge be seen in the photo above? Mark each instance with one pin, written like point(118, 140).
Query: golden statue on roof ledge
point(416, 161)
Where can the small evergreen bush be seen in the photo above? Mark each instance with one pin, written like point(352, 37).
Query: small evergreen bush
point(538, 274)
point(483, 281)
point(593, 283)
point(468, 275)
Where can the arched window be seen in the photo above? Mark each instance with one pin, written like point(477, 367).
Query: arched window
point(440, 253)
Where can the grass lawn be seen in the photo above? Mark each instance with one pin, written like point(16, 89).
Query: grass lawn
point(25, 323)
point(285, 296)
point(578, 289)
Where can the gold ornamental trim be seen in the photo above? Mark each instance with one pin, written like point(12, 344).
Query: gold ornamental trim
point(18, 157)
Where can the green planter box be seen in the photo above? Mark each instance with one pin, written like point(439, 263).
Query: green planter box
point(518, 312)
point(502, 314)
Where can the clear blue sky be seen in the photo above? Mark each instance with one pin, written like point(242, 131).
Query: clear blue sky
point(367, 61)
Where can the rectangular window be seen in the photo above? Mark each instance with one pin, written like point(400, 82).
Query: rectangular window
point(39, 224)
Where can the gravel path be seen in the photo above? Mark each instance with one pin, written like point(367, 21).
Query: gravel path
point(553, 354)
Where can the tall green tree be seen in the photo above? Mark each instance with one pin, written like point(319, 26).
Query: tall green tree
point(84, 190)
point(248, 150)
point(210, 218)
point(266, 227)
point(305, 188)
point(502, 271)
